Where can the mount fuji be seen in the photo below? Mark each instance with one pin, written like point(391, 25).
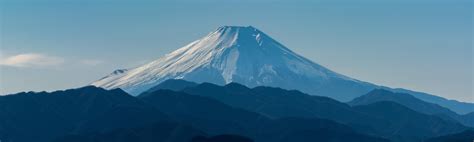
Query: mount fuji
point(244, 55)
point(250, 57)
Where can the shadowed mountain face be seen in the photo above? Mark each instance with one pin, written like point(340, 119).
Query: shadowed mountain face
point(411, 102)
point(277, 103)
point(468, 118)
point(456, 106)
point(311, 129)
point(466, 136)
point(222, 138)
point(91, 114)
point(379, 95)
point(270, 102)
point(216, 118)
point(263, 114)
point(41, 117)
point(172, 84)
point(207, 114)
point(400, 123)
point(156, 132)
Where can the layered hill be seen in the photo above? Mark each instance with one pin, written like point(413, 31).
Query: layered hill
point(388, 119)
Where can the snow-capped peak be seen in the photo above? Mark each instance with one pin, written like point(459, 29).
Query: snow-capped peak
point(244, 55)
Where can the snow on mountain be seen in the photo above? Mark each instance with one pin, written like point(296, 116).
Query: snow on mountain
point(234, 54)
point(248, 56)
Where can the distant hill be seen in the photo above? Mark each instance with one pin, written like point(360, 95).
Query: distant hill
point(204, 113)
point(173, 84)
point(454, 105)
point(466, 136)
point(91, 114)
point(399, 123)
point(277, 103)
point(222, 138)
point(209, 112)
point(156, 132)
point(43, 116)
point(215, 117)
point(413, 103)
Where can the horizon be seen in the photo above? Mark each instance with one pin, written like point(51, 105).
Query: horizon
point(42, 42)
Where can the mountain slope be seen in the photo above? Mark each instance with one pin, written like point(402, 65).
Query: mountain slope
point(172, 84)
point(468, 118)
point(456, 106)
point(203, 113)
point(156, 132)
point(222, 138)
point(466, 136)
point(92, 114)
point(399, 123)
point(237, 54)
point(250, 57)
point(277, 103)
point(411, 102)
point(42, 116)
point(379, 95)
point(215, 118)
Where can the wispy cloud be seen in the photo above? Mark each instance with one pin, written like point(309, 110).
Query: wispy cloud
point(31, 60)
point(91, 62)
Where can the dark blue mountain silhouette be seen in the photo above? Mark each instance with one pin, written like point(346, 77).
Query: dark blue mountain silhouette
point(42, 116)
point(156, 132)
point(216, 118)
point(277, 103)
point(466, 136)
point(399, 123)
point(208, 112)
point(456, 106)
point(222, 138)
point(413, 103)
point(92, 114)
point(173, 84)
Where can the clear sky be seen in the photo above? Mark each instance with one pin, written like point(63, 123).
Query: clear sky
point(423, 45)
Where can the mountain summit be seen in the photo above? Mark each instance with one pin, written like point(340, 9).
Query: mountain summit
point(235, 54)
point(250, 57)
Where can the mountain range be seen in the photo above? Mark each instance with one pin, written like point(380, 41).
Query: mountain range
point(279, 103)
point(413, 103)
point(236, 84)
point(193, 111)
point(250, 57)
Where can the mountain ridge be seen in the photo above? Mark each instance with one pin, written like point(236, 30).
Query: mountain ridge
point(411, 102)
point(276, 103)
point(250, 57)
point(232, 54)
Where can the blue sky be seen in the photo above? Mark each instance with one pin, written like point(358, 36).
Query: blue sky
point(423, 45)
